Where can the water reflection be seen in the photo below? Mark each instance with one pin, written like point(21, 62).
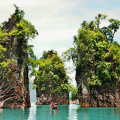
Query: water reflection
point(1, 111)
point(65, 112)
point(53, 111)
point(73, 111)
point(32, 112)
point(99, 113)
point(14, 114)
point(45, 113)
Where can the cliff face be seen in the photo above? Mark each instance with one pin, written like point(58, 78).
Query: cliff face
point(96, 96)
point(15, 93)
point(45, 97)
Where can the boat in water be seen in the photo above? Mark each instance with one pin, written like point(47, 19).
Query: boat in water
point(54, 106)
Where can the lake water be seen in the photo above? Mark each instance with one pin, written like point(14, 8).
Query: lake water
point(65, 112)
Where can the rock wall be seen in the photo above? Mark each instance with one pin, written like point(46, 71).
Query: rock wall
point(75, 101)
point(45, 98)
point(107, 99)
point(15, 93)
point(96, 96)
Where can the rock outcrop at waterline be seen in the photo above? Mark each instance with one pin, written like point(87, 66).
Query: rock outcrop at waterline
point(44, 98)
point(75, 101)
point(14, 93)
point(97, 96)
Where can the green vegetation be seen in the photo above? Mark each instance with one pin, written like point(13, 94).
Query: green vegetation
point(74, 94)
point(96, 54)
point(5, 64)
point(51, 73)
point(22, 31)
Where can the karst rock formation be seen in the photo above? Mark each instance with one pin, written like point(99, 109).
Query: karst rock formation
point(15, 93)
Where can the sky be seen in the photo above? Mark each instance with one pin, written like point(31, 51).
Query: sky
point(57, 21)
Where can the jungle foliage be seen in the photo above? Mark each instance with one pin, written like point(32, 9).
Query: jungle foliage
point(22, 31)
point(95, 53)
point(74, 94)
point(51, 73)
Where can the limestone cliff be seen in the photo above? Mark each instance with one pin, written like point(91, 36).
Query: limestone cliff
point(96, 96)
point(45, 98)
point(15, 93)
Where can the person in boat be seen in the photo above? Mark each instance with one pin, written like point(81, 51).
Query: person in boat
point(55, 106)
point(52, 105)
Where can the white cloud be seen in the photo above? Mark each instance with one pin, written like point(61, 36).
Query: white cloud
point(57, 40)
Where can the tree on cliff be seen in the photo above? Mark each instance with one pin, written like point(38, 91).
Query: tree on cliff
point(96, 55)
point(5, 62)
point(20, 30)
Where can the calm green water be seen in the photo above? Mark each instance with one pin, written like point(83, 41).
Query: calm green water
point(65, 112)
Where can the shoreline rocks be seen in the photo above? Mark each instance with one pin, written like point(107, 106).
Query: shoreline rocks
point(76, 101)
